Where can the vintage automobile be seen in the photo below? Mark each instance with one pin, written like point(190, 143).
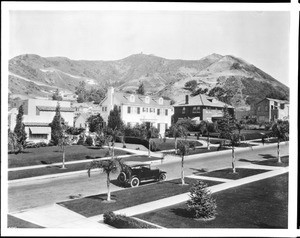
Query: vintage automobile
point(133, 174)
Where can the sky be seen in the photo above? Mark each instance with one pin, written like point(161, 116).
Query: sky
point(260, 38)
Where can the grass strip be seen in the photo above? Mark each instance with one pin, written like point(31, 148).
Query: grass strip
point(261, 204)
point(228, 174)
point(56, 169)
point(53, 154)
point(14, 222)
point(94, 205)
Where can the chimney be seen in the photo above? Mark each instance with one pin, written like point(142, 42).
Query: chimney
point(186, 99)
point(110, 98)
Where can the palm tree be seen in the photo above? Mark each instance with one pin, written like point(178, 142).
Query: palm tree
point(107, 166)
point(183, 148)
point(280, 129)
point(178, 131)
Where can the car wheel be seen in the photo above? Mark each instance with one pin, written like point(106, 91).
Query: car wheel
point(162, 177)
point(134, 182)
point(122, 177)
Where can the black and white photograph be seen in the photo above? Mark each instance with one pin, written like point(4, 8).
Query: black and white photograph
point(178, 118)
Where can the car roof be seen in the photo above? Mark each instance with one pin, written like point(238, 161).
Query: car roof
point(137, 163)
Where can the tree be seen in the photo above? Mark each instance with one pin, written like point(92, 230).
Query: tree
point(56, 96)
point(57, 126)
point(141, 89)
point(183, 149)
point(201, 203)
point(280, 129)
point(58, 135)
point(191, 85)
point(108, 166)
point(226, 126)
point(96, 123)
point(12, 141)
point(240, 126)
point(115, 120)
point(178, 131)
point(152, 132)
point(19, 130)
point(199, 91)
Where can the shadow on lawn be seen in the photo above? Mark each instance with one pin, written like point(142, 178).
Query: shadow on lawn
point(199, 171)
point(183, 212)
point(267, 156)
point(102, 197)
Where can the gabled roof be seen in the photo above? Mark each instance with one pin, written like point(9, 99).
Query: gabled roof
point(275, 100)
point(62, 109)
point(42, 124)
point(83, 115)
point(202, 100)
point(139, 100)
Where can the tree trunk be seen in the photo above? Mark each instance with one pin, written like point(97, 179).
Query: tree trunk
point(182, 171)
point(64, 156)
point(149, 147)
point(278, 152)
point(108, 187)
point(113, 150)
point(175, 145)
point(208, 142)
point(233, 160)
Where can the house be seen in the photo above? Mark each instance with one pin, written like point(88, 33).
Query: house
point(138, 109)
point(269, 109)
point(80, 121)
point(200, 108)
point(38, 114)
point(81, 107)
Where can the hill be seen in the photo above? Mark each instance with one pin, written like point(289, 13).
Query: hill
point(33, 75)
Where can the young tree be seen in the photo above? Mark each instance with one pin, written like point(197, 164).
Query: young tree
point(19, 130)
point(58, 135)
point(178, 131)
point(201, 203)
point(239, 126)
point(280, 129)
point(227, 127)
point(108, 166)
point(141, 89)
point(152, 132)
point(204, 127)
point(183, 149)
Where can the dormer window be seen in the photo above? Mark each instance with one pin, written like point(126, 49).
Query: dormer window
point(132, 98)
point(160, 101)
point(147, 99)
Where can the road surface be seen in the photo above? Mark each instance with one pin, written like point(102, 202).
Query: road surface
point(27, 195)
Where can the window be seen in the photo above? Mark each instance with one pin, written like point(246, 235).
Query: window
point(166, 112)
point(152, 109)
point(275, 104)
point(132, 98)
point(160, 101)
point(183, 110)
point(194, 109)
point(282, 106)
point(158, 127)
point(138, 110)
point(272, 107)
point(128, 110)
point(198, 109)
point(147, 99)
point(158, 111)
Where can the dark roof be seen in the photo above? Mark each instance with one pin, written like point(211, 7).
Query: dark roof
point(62, 109)
point(202, 100)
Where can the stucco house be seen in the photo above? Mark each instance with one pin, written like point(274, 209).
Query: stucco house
point(199, 108)
point(269, 109)
point(38, 114)
point(138, 109)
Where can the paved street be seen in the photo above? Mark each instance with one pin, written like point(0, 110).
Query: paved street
point(27, 195)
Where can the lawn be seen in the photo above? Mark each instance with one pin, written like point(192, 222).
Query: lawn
point(53, 154)
point(228, 174)
point(169, 144)
point(94, 205)
point(56, 169)
point(261, 204)
point(14, 222)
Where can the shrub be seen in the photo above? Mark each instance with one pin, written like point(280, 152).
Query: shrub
point(201, 203)
point(100, 141)
point(80, 141)
point(89, 140)
point(121, 221)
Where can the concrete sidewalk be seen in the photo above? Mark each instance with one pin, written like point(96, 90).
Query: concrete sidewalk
point(60, 217)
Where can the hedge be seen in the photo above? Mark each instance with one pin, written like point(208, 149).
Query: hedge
point(121, 221)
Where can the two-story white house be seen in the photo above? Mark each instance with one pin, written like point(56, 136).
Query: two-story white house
point(38, 114)
point(138, 109)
